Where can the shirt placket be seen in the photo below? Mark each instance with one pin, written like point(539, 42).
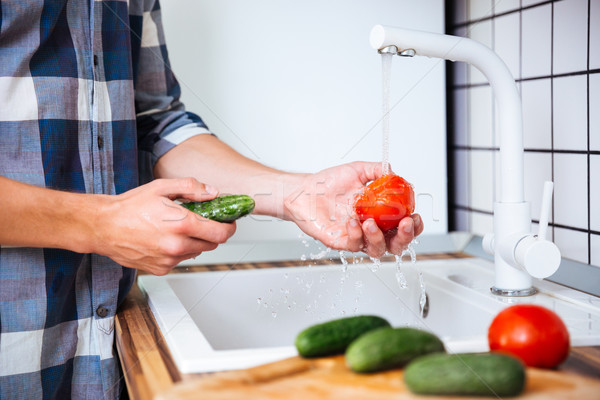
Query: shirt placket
point(104, 274)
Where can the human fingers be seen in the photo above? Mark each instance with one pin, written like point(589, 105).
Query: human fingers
point(198, 227)
point(355, 235)
point(368, 171)
point(418, 223)
point(374, 239)
point(408, 228)
point(187, 188)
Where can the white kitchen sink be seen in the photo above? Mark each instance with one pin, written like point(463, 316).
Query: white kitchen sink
point(241, 318)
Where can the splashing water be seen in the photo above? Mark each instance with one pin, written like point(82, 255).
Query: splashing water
point(376, 264)
point(320, 255)
point(344, 261)
point(423, 297)
point(410, 251)
point(386, 72)
point(400, 278)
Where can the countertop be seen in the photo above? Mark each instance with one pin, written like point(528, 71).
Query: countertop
point(149, 369)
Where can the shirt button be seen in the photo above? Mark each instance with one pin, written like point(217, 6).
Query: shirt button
point(95, 60)
point(102, 312)
point(100, 142)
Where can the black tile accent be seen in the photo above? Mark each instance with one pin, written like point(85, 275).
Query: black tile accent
point(452, 87)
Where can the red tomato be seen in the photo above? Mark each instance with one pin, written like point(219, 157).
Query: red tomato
point(387, 200)
point(533, 333)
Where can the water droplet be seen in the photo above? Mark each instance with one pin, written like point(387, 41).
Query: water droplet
point(274, 314)
point(358, 284)
point(376, 264)
point(344, 261)
point(303, 257)
point(423, 297)
point(259, 300)
point(400, 278)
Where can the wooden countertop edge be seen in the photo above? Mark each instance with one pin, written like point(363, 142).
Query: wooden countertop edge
point(149, 369)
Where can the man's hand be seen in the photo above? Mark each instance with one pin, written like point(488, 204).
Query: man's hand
point(322, 206)
point(145, 229)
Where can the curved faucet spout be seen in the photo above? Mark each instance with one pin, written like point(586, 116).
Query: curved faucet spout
point(454, 48)
point(517, 253)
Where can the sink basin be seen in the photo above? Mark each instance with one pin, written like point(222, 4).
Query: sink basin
point(237, 319)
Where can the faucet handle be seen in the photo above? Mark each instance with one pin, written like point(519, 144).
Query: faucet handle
point(540, 257)
point(546, 206)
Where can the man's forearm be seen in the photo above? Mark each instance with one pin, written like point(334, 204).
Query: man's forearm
point(40, 217)
point(211, 161)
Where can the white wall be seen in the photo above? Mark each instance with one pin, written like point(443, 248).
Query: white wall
point(295, 85)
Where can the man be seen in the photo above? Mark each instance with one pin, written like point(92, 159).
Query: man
point(89, 113)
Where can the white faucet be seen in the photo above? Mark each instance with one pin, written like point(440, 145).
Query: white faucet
point(518, 254)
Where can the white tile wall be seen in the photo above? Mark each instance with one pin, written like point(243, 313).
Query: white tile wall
point(482, 224)
point(595, 192)
point(570, 36)
point(481, 184)
point(480, 117)
point(570, 112)
point(482, 32)
point(537, 121)
point(545, 45)
point(506, 5)
point(461, 70)
point(536, 41)
point(594, 112)
point(461, 177)
point(461, 124)
point(570, 190)
point(531, 2)
point(479, 9)
point(572, 244)
point(507, 43)
point(539, 170)
point(594, 34)
point(595, 242)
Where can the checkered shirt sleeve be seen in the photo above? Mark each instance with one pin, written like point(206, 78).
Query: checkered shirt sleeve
point(88, 103)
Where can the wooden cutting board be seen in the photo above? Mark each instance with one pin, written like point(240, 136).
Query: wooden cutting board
point(329, 378)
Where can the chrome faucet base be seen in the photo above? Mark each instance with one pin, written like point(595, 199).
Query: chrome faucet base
point(513, 293)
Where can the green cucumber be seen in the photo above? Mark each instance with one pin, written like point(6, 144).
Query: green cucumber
point(224, 208)
point(333, 337)
point(483, 374)
point(388, 348)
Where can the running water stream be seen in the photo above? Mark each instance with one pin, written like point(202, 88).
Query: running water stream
point(386, 72)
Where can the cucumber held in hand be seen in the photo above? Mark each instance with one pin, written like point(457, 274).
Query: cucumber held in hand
point(224, 208)
point(484, 374)
point(334, 336)
point(388, 348)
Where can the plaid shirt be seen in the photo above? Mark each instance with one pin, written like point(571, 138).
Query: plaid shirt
point(88, 103)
